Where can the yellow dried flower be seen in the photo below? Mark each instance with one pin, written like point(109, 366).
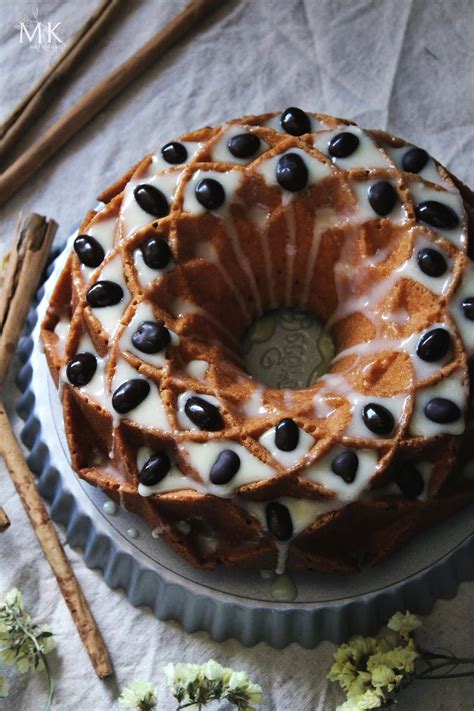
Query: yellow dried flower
point(398, 659)
point(383, 676)
point(367, 700)
point(372, 669)
point(360, 685)
point(404, 623)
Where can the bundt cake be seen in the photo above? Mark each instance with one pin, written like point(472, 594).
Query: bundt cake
point(195, 243)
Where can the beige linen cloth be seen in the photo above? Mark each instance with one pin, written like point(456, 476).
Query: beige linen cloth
point(403, 65)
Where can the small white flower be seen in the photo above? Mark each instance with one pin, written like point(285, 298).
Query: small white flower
point(196, 685)
point(254, 693)
point(138, 695)
point(169, 672)
point(239, 685)
point(214, 671)
point(14, 599)
point(4, 687)
point(182, 673)
point(238, 680)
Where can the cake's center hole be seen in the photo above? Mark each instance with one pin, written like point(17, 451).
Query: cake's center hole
point(287, 348)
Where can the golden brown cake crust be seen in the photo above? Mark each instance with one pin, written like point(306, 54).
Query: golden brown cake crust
point(319, 231)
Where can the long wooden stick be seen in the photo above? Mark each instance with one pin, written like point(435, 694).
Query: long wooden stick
point(46, 89)
point(52, 548)
point(27, 259)
point(99, 96)
point(29, 253)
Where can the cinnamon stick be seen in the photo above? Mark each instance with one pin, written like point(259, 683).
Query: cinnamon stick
point(26, 262)
point(52, 548)
point(4, 521)
point(28, 255)
point(45, 90)
point(99, 96)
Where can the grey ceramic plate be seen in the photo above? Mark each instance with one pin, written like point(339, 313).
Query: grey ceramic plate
point(224, 603)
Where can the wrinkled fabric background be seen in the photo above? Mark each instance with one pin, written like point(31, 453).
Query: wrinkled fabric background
point(402, 65)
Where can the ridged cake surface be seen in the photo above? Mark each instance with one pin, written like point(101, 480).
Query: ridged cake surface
point(193, 245)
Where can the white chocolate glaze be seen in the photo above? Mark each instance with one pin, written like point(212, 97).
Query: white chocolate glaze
point(275, 123)
point(290, 247)
point(287, 459)
point(132, 216)
point(62, 331)
point(421, 192)
point(150, 413)
point(453, 388)
point(464, 291)
point(349, 303)
point(411, 270)
point(158, 163)
point(429, 172)
point(283, 589)
point(197, 369)
point(324, 219)
point(181, 416)
point(221, 154)
point(202, 456)
point(103, 230)
point(396, 404)
point(146, 275)
point(321, 473)
point(366, 155)
point(316, 169)
point(110, 508)
point(144, 312)
point(421, 368)
point(230, 181)
point(254, 406)
point(173, 481)
point(304, 512)
point(283, 550)
point(111, 316)
point(96, 388)
point(243, 260)
point(364, 209)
